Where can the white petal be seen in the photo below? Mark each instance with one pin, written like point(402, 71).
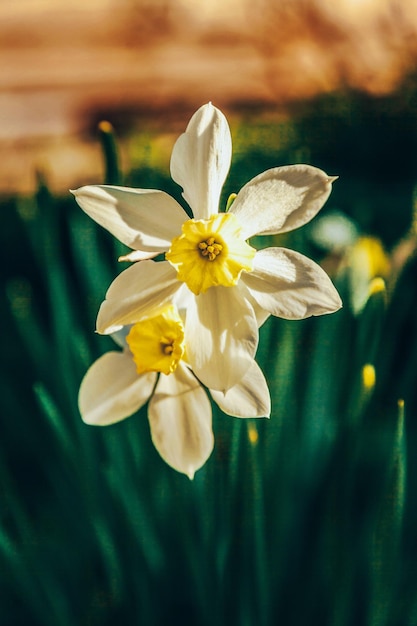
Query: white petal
point(281, 199)
point(180, 420)
point(261, 314)
point(289, 285)
point(112, 389)
point(143, 219)
point(138, 255)
point(221, 334)
point(201, 160)
point(249, 398)
point(136, 291)
point(119, 337)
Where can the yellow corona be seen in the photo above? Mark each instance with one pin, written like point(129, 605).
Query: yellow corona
point(157, 343)
point(210, 252)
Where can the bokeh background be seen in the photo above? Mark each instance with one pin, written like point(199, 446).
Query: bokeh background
point(309, 517)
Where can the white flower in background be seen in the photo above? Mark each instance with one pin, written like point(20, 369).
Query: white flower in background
point(227, 288)
point(334, 232)
point(153, 367)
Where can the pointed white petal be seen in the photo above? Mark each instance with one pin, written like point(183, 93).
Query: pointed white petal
point(201, 160)
point(136, 291)
point(281, 199)
point(249, 398)
point(112, 390)
point(143, 219)
point(180, 420)
point(137, 255)
point(221, 334)
point(289, 285)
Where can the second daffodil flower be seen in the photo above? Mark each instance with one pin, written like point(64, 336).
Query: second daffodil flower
point(226, 287)
point(152, 366)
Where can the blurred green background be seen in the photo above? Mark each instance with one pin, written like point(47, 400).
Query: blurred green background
point(306, 518)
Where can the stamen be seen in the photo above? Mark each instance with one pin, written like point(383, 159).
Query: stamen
point(209, 249)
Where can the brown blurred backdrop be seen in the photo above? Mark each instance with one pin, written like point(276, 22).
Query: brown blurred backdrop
point(150, 63)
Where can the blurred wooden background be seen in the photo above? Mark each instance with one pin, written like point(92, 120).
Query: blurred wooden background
point(64, 66)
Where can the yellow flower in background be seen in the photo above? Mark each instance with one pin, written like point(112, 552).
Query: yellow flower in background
point(226, 288)
point(368, 376)
point(366, 261)
point(152, 367)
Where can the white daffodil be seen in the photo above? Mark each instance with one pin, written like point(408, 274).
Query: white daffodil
point(226, 286)
point(152, 367)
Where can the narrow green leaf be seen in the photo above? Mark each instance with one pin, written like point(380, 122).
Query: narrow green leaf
point(385, 565)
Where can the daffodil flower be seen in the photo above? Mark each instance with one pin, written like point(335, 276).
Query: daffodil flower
point(152, 366)
point(226, 286)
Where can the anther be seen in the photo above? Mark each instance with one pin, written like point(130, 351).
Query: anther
point(210, 249)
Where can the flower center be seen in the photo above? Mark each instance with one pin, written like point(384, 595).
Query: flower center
point(217, 238)
point(157, 343)
point(209, 249)
point(167, 348)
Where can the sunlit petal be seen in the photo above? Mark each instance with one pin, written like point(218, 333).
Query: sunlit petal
point(221, 335)
point(111, 390)
point(289, 285)
point(134, 293)
point(143, 219)
point(281, 199)
point(180, 420)
point(138, 255)
point(248, 398)
point(201, 160)
point(261, 314)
